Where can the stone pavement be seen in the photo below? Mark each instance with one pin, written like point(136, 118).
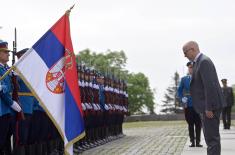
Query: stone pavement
point(160, 138)
point(150, 138)
point(227, 144)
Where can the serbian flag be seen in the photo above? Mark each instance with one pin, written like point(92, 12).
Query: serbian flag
point(49, 70)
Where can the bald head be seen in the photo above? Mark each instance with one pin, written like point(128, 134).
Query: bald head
point(191, 49)
point(191, 44)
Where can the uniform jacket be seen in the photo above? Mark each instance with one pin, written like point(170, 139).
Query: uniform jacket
point(26, 98)
point(204, 87)
point(101, 97)
point(184, 90)
point(228, 96)
point(37, 106)
point(5, 94)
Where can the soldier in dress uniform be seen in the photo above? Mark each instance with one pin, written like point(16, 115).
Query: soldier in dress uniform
point(107, 115)
point(118, 107)
point(229, 101)
point(192, 118)
point(116, 103)
point(39, 131)
point(81, 83)
point(8, 107)
point(95, 101)
point(93, 93)
point(125, 104)
point(90, 109)
point(101, 103)
point(122, 106)
point(125, 98)
point(111, 107)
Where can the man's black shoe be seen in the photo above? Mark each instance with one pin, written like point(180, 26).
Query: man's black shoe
point(192, 145)
point(199, 145)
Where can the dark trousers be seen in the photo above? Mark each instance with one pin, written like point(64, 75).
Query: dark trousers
point(211, 132)
point(39, 127)
point(7, 125)
point(23, 130)
point(194, 124)
point(226, 115)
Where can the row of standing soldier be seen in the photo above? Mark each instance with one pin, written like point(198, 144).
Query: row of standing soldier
point(104, 103)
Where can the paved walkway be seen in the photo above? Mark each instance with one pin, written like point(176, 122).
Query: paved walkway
point(166, 138)
point(227, 144)
point(147, 139)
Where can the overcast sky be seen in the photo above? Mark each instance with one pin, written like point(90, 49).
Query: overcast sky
point(150, 32)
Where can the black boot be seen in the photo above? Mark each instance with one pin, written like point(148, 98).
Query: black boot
point(192, 144)
point(198, 144)
point(19, 150)
point(38, 149)
point(45, 148)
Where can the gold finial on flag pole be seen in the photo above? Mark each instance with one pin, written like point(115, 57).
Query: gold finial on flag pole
point(69, 10)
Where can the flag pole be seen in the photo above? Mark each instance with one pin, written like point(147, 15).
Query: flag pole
point(7, 72)
point(69, 10)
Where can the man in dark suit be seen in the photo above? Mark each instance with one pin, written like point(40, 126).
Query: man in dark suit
point(229, 101)
point(206, 95)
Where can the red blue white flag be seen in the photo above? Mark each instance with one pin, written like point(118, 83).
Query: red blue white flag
point(49, 69)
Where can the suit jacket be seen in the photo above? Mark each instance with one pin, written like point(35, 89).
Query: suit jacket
point(228, 96)
point(204, 87)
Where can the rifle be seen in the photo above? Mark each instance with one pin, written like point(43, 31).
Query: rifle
point(15, 97)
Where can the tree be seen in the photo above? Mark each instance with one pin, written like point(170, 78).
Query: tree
point(171, 101)
point(108, 62)
point(114, 62)
point(140, 93)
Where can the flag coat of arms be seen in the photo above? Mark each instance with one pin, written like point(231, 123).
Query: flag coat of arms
point(49, 69)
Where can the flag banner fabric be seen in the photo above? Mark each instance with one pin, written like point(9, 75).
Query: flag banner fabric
point(49, 70)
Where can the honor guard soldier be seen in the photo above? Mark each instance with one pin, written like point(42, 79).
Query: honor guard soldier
point(229, 101)
point(113, 111)
point(95, 98)
point(81, 83)
point(89, 107)
point(107, 105)
point(192, 118)
point(95, 111)
point(125, 98)
point(122, 106)
point(7, 105)
point(101, 103)
point(39, 130)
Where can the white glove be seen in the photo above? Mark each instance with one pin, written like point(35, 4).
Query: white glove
point(184, 100)
point(0, 87)
point(13, 73)
point(15, 106)
point(106, 107)
point(83, 107)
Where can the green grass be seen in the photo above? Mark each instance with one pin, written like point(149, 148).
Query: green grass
point(233, 122)
point(153, 124)
point(233, 109)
